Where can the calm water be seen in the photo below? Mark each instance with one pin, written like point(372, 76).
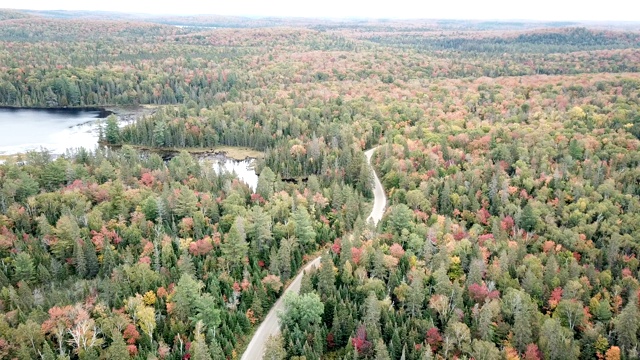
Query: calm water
point(242, 169)
point(56, 130)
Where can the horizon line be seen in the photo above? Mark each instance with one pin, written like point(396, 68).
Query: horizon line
point(334, 18)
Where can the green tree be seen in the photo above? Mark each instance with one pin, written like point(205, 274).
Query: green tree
point(259, 231)
point(627, 324)
point(381, 351)
point(186, 295)
point(528, 218)
point(208, 313)
point(235, 246)
point(112, 132)
point(371, 317)
point(79, 259)
point(484, 350)
point(556, 342)
point(159, 131)
point(23, 268)
point(47, 353)
point(301, 310)
point(199, 349)
point(326, 277)
point(186, 203)
point(274, 349)
point(570, 313)
point(304, 229)
point(118, 348)
point(266, 183)
point(400, 218)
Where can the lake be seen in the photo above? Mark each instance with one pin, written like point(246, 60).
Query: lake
point(22, 130)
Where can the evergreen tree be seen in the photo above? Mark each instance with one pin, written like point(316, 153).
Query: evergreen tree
point(627, 324)
point(235, 246)
point(186, 204)
point(528, 219)
point(187, 294)
point(381, 351)
point(266, 183)
point(47, 353)
point(303, 228)
point(93, 267)
point(446, 207)
point(371, 316)
point(118, 348)
point(556, 342)
point(112, 132)
point(274, 349)
point(326, 277)
point(79, 259)
point(199, 349)
point(24, 269)
point(216, 350)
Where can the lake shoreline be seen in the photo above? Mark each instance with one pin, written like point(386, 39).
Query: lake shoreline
point(123, 112)
point(55, 140)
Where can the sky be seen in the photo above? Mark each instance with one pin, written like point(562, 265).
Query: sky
point(557, 10)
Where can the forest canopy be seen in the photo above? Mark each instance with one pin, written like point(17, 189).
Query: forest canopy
point(508, 153)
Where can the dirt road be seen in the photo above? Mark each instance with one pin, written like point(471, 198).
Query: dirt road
point(271, 324)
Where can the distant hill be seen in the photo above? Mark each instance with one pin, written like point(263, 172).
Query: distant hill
point(10, 14)
point(222, 21)
point(84, 14)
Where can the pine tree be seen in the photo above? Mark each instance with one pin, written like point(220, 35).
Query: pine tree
point(528, 219)
point(326, 277)
point(108, 260)
point(260, 232)
point(47, 353)
point(371, 316)
point(627, 324)
point(274, 349)
point(112, 132)
point(79, 259)
point(159, 130)
point(24, 269)
point(266, 183)
point(216, 350)
point(199, 349)
point(118, 348)
point(304, 229)
point(186, 203)
point(416, 296)
point(446, 208)
point(208, 313)
point(235, 246)
point(93, 267)
point(186, 295)
point(381, 351)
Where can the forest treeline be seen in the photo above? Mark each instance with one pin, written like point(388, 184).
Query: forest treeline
point(512, 178)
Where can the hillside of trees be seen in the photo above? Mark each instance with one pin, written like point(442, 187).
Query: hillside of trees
point(508, 152)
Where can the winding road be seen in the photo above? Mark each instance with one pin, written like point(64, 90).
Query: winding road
point(271, 325)
point(379, 198)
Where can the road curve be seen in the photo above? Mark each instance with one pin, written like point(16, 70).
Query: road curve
point(271, 324)
point(380, 199)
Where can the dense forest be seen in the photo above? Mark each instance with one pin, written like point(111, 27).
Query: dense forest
point(509, 153)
